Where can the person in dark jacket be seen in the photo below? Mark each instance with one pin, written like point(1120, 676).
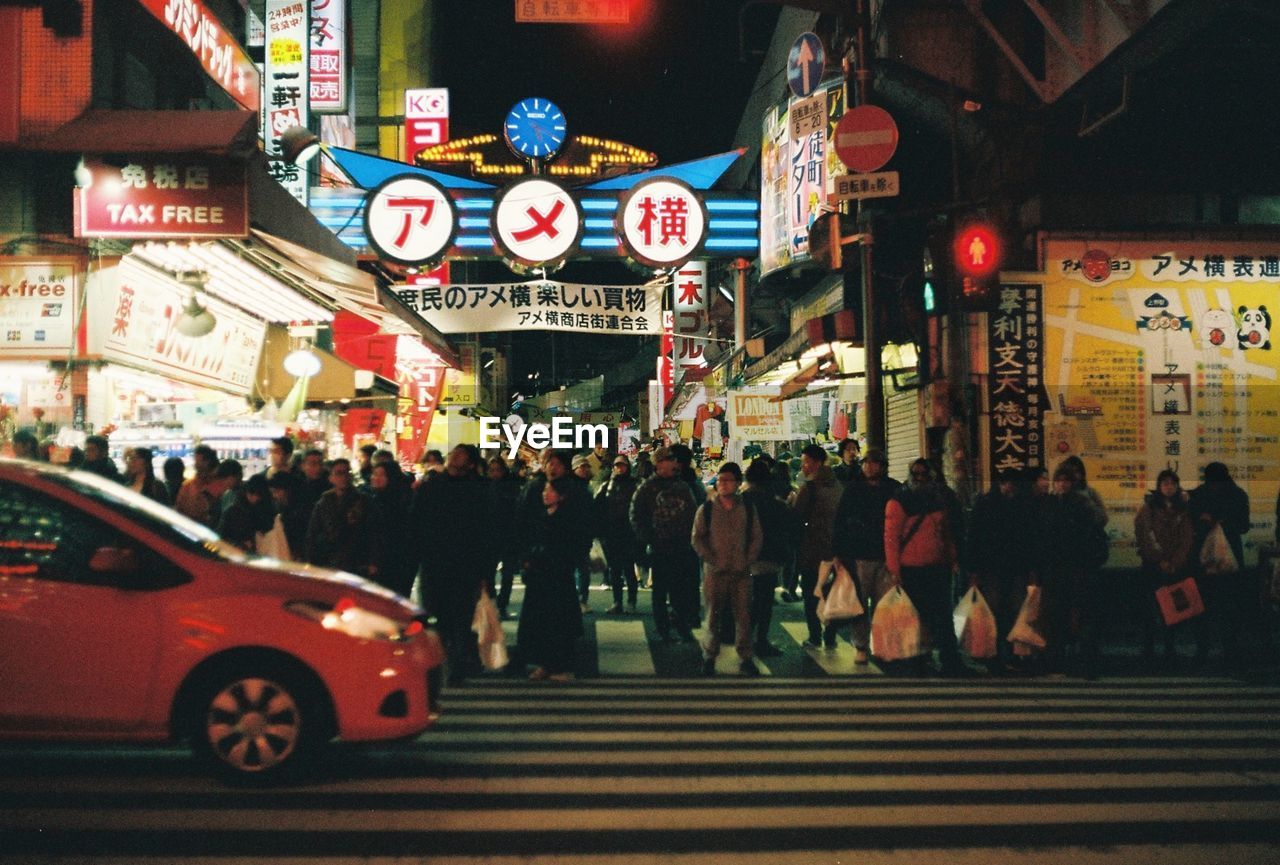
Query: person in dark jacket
point(448, 519)
point(997, 556)
point(556, 464)
point(343, 532)
point(613, 527)
point(504, 501)
point(815, 516)
point(550, 617)
point(662, 514)
point(389, 489)
point(776, 524)
point(849, 469)
point(1163, 532)
point(141, 477)
point(250, 512)
point(175, 472)
point(97, 459)
point(1069, 574)
point(859, 540)
point(683, 455)
point(1220, 502)
point(304, 492)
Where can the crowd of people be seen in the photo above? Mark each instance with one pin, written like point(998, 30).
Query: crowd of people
point(467, 525)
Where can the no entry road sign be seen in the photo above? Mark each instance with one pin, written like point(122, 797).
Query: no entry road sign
point(866, 138)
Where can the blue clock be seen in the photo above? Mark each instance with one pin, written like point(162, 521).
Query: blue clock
point(535, 128)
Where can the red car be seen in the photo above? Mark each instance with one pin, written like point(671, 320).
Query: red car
point(122, 620)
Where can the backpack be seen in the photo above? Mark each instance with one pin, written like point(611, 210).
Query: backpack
point(708, 508)
point(672, 514)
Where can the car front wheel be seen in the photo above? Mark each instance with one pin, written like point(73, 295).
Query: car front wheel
point(257, 724)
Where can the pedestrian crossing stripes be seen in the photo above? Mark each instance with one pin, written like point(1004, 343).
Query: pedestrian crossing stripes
point(635, 769)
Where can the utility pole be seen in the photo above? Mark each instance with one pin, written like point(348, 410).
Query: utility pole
point(870, 338)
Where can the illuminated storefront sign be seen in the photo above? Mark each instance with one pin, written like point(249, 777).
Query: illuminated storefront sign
point(536, 223)
point(164, 196)
point(328, 56)
point(38, 301)
point(662, 222)
point(223, 58)
point(287, 90)
point(410, 220)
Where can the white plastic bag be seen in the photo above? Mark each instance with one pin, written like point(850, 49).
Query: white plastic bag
point(895, 627)
point(975, 625)
point(1026, 633)
point(841, 601)
point(490, 639)
point(273, 543)
point(1216, 556)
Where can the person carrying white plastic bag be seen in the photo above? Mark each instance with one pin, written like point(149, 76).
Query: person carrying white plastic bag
point(895, 627)
point(838, 597)
point(490, 639)
point(975, 625)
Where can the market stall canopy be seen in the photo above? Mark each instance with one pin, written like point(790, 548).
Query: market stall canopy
point(336, 380)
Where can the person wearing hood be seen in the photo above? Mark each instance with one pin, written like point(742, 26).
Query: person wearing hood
point(1163, 531)
point(815, 515)
point(920, 554)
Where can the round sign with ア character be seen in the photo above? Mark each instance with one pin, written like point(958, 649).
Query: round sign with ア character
point(536, 224)
point(662, 222)
point(410, 220)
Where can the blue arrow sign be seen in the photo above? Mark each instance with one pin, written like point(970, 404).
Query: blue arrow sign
point(805, 63)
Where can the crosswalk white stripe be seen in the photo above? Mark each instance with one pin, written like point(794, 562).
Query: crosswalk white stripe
point(622, 649)
point(710, 817)
point(1161, 684)
point(530, 714)
point(727, 662)
point(555, 701)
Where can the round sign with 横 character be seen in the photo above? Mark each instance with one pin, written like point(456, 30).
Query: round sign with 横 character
point(410, 220)
point(536, 223)
point(662, 222)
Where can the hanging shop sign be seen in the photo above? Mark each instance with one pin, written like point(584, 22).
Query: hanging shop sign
point(755, 414)
point(579, 12)
point(1159, 355)
point(426, 120)
point(1016, 395)
point(328, 56)
point(38, 302)
point(692, 323)
point(604, 309)
point(662, 222)
point(410, 220)
point(220, 54)
point(287, 90)
point(420, 375)
point(133, 318)
point(163, 196)
point(536, 223)
point(461, 385)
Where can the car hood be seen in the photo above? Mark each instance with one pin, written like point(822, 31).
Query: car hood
point(311, 583)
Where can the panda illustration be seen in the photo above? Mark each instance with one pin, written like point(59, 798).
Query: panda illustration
point(1216, 326)
point(1255, 328)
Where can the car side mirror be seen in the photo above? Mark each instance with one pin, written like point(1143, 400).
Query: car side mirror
point(116, 561)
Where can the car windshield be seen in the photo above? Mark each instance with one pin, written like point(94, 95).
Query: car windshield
point(174, 527)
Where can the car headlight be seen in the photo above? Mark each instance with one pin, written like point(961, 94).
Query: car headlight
point(347, 617)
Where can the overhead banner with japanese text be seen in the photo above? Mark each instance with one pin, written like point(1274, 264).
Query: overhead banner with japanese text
point(1159, 355)
point(620, 310)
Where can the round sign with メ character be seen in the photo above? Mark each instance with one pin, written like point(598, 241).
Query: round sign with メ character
point(661, 222)
point(410, 220)
point(536, 223)
point(866, 138)
point(805, 63)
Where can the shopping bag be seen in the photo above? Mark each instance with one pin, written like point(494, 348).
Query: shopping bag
point(975, 625)
point(1216, 556)
point(273, 543)
point(1180, 601)
point(1027, 634)
point(490, 639)
point(895, 627)
point(841, 599)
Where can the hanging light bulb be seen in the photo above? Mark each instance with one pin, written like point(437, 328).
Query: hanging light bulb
point(196, 321)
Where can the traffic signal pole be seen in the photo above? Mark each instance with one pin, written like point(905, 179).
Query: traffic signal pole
point(875, 430)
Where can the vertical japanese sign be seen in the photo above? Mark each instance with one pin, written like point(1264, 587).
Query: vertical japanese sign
point(328, 56)
point(426, 120)
point(691, 320)
point(288, 44)
point(1158, 355)
point(420, 375)
point(666, 371)
point(222, 57)
point(1015, 384)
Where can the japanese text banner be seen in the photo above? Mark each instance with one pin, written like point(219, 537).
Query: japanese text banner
point(622, 310)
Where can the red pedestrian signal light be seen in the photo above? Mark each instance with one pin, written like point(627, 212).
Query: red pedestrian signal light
point(977, 251)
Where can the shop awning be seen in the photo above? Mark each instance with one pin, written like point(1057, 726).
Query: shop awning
point(233, 133)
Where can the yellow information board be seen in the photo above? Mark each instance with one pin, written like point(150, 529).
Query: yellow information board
point(1159, 355)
